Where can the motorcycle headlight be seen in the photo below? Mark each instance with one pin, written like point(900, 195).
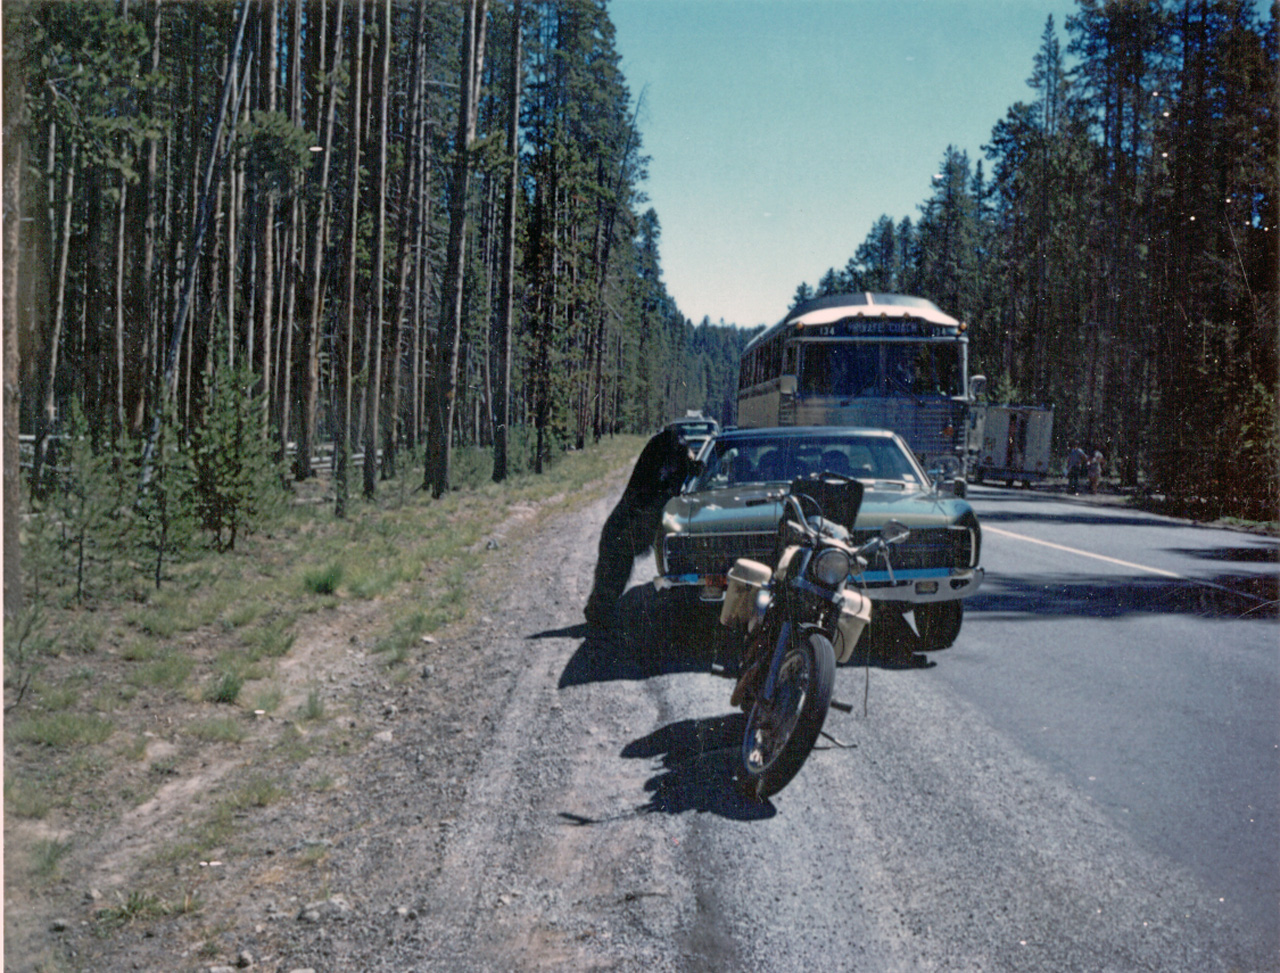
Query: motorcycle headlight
point(831, 567)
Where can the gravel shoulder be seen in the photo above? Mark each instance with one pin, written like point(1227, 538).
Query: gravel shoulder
point(387, 831)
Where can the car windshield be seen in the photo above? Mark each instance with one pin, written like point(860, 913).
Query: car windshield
point(780, 459)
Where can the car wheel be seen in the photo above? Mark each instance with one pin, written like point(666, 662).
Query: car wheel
point(938, 623)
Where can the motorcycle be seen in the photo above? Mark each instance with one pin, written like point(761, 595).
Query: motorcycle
point(789, 621)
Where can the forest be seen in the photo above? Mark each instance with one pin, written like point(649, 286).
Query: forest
point(247, 242)
point(1116, 256)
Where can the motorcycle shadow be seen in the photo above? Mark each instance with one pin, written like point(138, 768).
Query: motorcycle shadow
point(698, 761)
point(653, 633)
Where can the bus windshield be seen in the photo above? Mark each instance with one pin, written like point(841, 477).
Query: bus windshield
point(861, 369)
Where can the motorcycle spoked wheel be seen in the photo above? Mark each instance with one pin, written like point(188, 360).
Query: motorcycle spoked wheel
point(780, 734)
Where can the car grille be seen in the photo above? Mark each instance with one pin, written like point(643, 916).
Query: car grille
point(714, 554)
point(930, 547)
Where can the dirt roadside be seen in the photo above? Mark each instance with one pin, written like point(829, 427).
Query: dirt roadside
point(337, 829)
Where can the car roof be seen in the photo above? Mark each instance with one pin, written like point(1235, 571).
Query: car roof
point(805, 432)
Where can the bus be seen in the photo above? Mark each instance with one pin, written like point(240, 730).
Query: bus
point(883, 361)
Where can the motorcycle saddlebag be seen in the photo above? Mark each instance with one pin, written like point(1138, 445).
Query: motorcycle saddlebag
point(746, 578)
point(855, 615)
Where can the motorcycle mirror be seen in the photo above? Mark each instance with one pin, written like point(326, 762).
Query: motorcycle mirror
point(894, 531)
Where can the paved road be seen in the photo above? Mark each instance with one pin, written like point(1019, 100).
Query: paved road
point(1139, 658)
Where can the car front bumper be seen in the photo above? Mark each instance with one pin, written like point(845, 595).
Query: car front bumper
point(915, 586)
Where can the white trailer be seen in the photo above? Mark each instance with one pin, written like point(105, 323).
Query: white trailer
point(1010, 443)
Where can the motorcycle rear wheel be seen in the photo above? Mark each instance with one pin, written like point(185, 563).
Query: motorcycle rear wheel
point(780, 734)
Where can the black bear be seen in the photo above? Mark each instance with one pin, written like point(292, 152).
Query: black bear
point(664, 464)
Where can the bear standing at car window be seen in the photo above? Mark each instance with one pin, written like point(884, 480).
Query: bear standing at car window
point(664, 464)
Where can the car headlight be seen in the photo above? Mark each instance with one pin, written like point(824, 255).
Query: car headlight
point(831, 567)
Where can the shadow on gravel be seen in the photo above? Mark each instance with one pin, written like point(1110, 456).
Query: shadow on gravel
point(655, 633)
point(698, 760)
point(663, 632)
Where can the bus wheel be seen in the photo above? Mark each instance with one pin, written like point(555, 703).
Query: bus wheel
point(938, 623)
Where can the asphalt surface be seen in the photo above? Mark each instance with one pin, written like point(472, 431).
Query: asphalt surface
point(1088, 780)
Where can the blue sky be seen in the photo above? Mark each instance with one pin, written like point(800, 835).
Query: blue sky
point(779, 131)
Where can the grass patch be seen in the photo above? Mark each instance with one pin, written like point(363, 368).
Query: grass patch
point(404, 635)
point(221, 729)
point(313, 708)
point(46, 855)
point(268, 700)
point(242, 614)
point(24, 799)
point(137, 906)
point(257, 792)
point(141, 650)
point(61, 729)
point(169, 671)
point(224, 688)
point(56, 698)
point(272, 639)
point(323, 581)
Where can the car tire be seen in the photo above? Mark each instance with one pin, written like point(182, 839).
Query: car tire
point(938, 623)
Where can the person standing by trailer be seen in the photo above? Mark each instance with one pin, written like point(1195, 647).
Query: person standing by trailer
point(1095, 471)
point(1076, 462)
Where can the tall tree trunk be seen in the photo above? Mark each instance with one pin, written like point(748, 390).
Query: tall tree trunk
point(441, 445)
point(47, 415)
point(118, 426)
point(12, 200)
point(506, 313)
point(315, 277)
point(292, 257)
point(408, 180)
point(373, 382)
point(150, 312)
point(342, 437)
point(265, 302)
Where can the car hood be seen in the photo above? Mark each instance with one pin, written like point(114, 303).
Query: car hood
point(751, 508)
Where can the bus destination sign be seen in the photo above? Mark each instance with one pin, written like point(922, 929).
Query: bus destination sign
point(858, 327)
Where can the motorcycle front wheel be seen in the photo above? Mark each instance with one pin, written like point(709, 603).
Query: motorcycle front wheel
point(781, 733)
